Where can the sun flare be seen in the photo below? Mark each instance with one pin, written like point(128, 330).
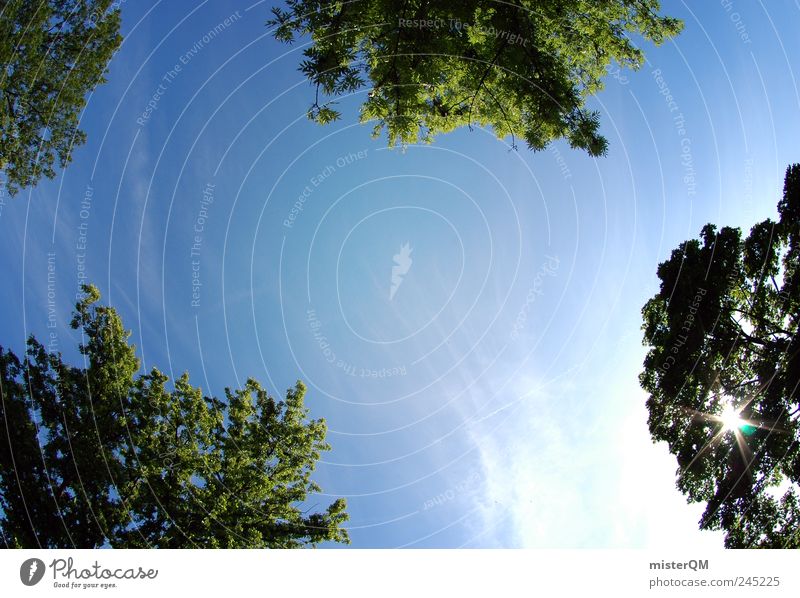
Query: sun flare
point(730, 418)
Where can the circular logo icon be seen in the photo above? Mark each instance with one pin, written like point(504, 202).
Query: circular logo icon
point(31, 572)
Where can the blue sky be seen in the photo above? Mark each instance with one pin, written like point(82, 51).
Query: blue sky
point(492, 399)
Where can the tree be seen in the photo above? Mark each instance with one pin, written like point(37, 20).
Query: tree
point(723, 372)
point(99, 456)
point(526, 67)
point(52, 53)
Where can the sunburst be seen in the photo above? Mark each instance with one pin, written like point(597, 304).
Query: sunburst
point(731, 419)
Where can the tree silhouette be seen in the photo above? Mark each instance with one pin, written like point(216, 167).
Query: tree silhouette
point(99, 456)
point(723, 373)
point(525, 68)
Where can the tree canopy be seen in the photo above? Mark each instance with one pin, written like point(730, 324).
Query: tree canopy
point(525, 67)
point(723, 372)
point(52, 53)
point(99, 455)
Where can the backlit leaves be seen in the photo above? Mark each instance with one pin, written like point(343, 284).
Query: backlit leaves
point(525, 69)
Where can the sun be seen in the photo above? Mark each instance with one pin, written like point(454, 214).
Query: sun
point(730, 419)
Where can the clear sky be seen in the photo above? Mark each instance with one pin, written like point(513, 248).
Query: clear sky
point(484, 392)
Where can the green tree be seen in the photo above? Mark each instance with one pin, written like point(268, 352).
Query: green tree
point(52, 53)
point(524, 67)
point(723, 372)
point(100, 456)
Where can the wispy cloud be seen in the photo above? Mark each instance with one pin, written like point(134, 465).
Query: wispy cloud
point(555, 480)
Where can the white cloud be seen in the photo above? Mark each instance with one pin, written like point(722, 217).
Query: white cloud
point(553, 480)
point(650, 511)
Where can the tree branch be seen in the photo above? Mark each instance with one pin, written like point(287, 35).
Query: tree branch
point(762, 320)
point(483, 79)
point(11, 107)
point(775, 284)
point(505, 117)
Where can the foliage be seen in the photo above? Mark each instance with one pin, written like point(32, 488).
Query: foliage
point(526, 67)
point(99, 456)
point(723, 332)
point(52, 53)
